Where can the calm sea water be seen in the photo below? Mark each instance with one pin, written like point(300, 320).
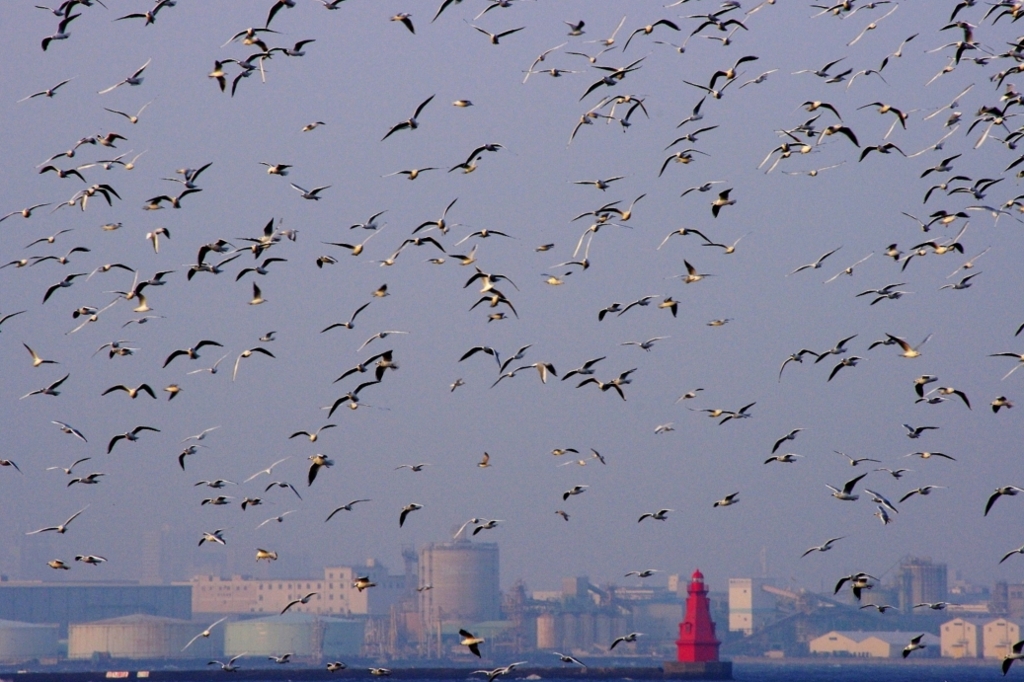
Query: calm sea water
point(861, 672)
point(742, 672)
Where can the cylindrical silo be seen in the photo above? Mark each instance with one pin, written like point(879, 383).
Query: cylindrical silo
point(24, 641)
point(464, 580)
point(547, 631)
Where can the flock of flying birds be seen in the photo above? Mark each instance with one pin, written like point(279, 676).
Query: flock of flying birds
point(120, 274)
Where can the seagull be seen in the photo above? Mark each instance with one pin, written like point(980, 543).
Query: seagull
point(70, 468)
point(1018, 356)
point(916, 431)
point(406, 510)
point(823, 547)
point(880, 499)
point(49, 92)
point(344, 507)
point(406, 20)
point(660, 515)
point(312, 436)
point(62, 528)
point(496, 37)
point(728, 500)
point(837, 349)
point(10, 463)
point(311, 194)
point(65, 283)
point(846, 494)
point(1019, 550)
point(412, 467)
point(230, 666)
point(646, 573)
point(923, 490)
point(351, 320)
point(318, 462)
point(881, 608)
point(132, 436)
point(788, 458)
point(908, 351)
point(36, 360)
point(380, 335)
point(848, 270)
point(134, 79)
point(471, 641)
point(1009, 491)
point(565, 658)
point(48, 390)
point(645, 345)
point(294, 602)
point(575, 490)
point(928, 455)
point(217, 537)
point(279, 519)
point(915, 644)
point(131, 119)
point(789, 436)
point(797, 357)
point(410, 124)
point(133, 393)
point(1000, 402)
point(62, 33)
point(201, 435)
point(631, 637)
point(816, 264)
point(742, 413)
point(246, 354)
point(267, 471)
point(191, 353)
point(858, 582)
point(854, 461)
point(689, 395)
point(90, 559)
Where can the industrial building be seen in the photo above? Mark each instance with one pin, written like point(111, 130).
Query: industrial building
point(141, 636)
point(998, 637)
point(464, 580)
point(868, 644)
point(303, 635)
point(336, 594)
point(979, 637)
point(919, 581)
point(80, 602)
point(961, 638)
point(750, 605)
point(1008, 600)
point(27, 641)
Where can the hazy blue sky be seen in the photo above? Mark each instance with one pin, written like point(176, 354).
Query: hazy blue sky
point(364, 74)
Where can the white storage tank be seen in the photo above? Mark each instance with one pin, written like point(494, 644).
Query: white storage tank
point(25, 641)
point(142, 636)
point(301, 634)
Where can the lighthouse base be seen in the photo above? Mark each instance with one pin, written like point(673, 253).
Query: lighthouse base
point(701, 670)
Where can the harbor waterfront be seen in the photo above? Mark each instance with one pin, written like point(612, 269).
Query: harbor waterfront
point(806, 670)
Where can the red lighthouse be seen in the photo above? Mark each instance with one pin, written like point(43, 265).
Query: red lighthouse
point(697, 641)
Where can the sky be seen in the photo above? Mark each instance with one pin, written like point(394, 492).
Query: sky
point(364, 74)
